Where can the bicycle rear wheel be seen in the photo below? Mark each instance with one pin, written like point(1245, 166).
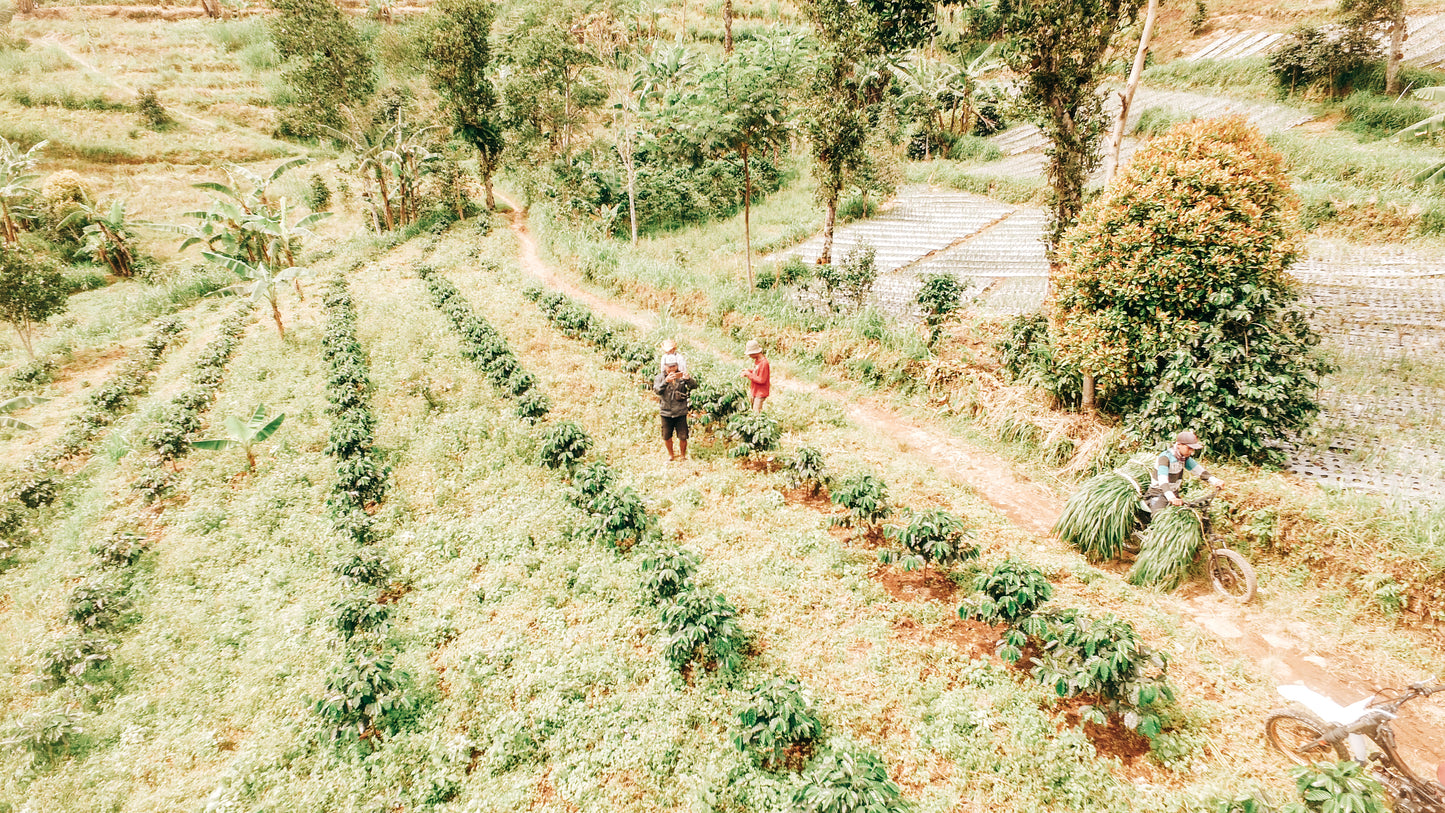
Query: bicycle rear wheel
point(1425, 787)
point(1232, 575)
point(1298, 734)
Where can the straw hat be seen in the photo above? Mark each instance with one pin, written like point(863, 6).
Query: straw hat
point(669, 346)
point(753, 348)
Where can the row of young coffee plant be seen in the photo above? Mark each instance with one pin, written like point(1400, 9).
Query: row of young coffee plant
point(778, 725)
point(366, 697)
point(41, 478)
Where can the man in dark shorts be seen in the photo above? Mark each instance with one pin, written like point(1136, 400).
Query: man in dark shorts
point(672, 387)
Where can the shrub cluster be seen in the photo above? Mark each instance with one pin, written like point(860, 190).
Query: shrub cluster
point(576, 321)
point(170, 438)
point(41, 483)
point(366, 697)
point(483, 344)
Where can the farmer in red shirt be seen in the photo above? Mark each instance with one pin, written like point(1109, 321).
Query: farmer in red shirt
point(759, 377)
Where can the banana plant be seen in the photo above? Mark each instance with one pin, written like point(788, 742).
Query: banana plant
point(15, 174)
point(244, 433)
point(1427, 129)
point(234, 224)
point(13, 404)
point(260, 281)
point(394, 161)
point(107, 237)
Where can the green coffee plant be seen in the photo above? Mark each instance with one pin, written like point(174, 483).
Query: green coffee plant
point(365, 699)
point(805, 469)
point(1104, 657)
point(619, 518)
point(119, 549)
point(718, 399)
point(245, 433)
point(701, 627)
point(848, 779)
point(359, 613)
point(97, 603)
point(777, 717)
point(939, 297)
point(755, 433)
point(363, 565)
point(1009, 594)
point(154, 483)
point(564, 445)
point(666, 572)
point(533, 406)
point(45, 733)
point(576, 321)
point(865, 496)
point(933, 537)
point(179, 420)
point(72, 656)
point(1338, 787)
point(360, 481)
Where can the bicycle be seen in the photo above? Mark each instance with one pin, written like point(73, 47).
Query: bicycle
point(1230, 574)
point(1324, 730)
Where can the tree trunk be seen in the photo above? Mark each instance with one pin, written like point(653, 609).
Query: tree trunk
point(491, 201)
point(1398, 32)
point(25, 6)
point(1087, 396)
point(747, 215)
point(632, 197)
point(7, 224)
point(385, 197)
point(276, 315)
point(212, 8)
point(1111, 160)
point(728, 27)
point(22, 328)
point(826, 258)
point(250, 458)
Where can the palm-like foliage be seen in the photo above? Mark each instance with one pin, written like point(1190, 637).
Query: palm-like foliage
point(394, 162)
point(13, 404)
point(245, 433)
point(1427, 129)
point(241, 220)
point(107, 236)
point(15, 176)
point(261, 282)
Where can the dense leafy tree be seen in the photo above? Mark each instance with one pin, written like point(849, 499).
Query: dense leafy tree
point(848, 91)
point(1173, 290)
point(1381, 17)
point(456, 43)
point(549, 80)
point(32, 290)
point(328, 64)
point(1058, 47)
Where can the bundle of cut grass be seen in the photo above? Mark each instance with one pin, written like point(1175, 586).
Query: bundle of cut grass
point(1173, 538)
point(1100, 516)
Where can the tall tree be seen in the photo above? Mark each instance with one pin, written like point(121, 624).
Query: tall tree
point(1173, 288)
point(1058, 47)
point(32, 290)
point(456, 42)
point(1381, 17)
point(1126, 97)
point(328, 64)
point(548, 82)
point(849, 87)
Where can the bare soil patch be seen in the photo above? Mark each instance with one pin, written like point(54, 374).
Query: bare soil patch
point(974, 638)
point(1113, 739)
point(919, 585)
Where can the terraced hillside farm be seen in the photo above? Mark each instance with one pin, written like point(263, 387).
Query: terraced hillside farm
point(330, 468)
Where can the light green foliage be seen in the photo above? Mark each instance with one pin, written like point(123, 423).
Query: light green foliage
point(700, 627)
point(933, 537)
point(1167, 548)
point(865, 495)
point(456, 40)
point(778, 717)
point(718, 399)
point(45, 732)
point(1331, 58)
point(564, 445)
point(1100, 516)
point(98, 603)
point(359, 613)
point(245, 433)
point(619, 517)
point(72, 656)
point(32, 290)
point(552, 79)
point(1028, 356)
point(1215, 341)
point(106, 236)
point(1104, 657)
point(12, 404)
point(667, 572)
point(16, 175)
point(940, 296)
point(329, 67)
point(1342, 787)
point(264, 282)
point(849, 779)
point(851, 281)
point(755, 433)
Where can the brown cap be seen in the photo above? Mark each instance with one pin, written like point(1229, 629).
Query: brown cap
point(1189, 439)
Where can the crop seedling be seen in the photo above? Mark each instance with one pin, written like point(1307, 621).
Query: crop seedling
point(1009, 594)
point(533, 406)
point(1100, 516)
point(119, 549)
point(73, 655)
point(865, 496)
point(360, 481)
point(1104, 657)
point(717, 400)
point(97, 603)
point(933, 537)
point(244, 433)
point(619, 518)
point(755, 433)
point(805, 470)
point(667, 572)
point(848, 779)
point(45, 732)
point(701, 626)
point(364, 699)
point(1338, 787)
point(363, 565)
point(564, 445)
point(358, 614)
point(778, 721)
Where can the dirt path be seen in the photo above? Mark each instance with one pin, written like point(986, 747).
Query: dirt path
point(1285, 649)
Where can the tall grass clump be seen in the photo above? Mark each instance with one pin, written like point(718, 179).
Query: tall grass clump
point(1099, 517)
point(1173, 538)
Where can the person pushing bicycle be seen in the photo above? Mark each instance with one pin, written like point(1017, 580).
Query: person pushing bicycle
point(1168, 475)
